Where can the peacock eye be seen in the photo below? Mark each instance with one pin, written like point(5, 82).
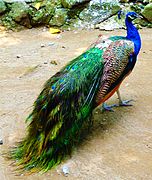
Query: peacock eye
point(68, 68)
point(61, 80)
point(53, 87)
point(131, 16)
point(84, 55)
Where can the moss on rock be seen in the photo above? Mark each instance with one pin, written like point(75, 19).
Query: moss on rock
point(18, 11)
point(98, 12)
point(2, 7)
point(147, 12)
point(68, 13)
point(9, 23)
point(59, 18)
point(70, 3)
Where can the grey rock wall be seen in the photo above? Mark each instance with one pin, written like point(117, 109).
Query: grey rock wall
point(69, 14)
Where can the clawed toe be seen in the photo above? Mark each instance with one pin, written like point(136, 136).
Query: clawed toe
point(105, 107)
point(125, 103)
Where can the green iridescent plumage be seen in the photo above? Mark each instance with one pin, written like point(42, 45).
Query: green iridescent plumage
point(59, 112)
point(61, 109)
point(69, 97)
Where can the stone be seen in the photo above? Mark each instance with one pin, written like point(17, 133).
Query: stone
point(124, 1)
point(2, 7)
point(137, 7)
point(70, 14)
point(18, 11)
point(147, 12)
point(70, 3)
point(147, 1)
point(142, 22)
point(8, 22)
point(51, 44)
point(112, 23)
point(42, 45)
point(44, 14)
point(59, 18)
point(12, 1)
point(65, 170)
point(19, 14)
point(18, 56)
point(38, 16)
point(53, 62)
point(1, 141)
point(55, 3)
point(97, 12)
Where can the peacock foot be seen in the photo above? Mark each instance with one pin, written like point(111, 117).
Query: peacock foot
point(125, 103)
point(106, 107)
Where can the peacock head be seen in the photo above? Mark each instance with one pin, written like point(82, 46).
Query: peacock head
point(131, 16)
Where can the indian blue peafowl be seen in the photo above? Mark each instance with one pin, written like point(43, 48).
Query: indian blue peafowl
point(69, 97)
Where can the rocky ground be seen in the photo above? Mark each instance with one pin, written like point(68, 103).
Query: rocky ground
point(119, 145)
point(71, 14)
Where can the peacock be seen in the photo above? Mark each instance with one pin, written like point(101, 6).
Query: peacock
point(69, 97)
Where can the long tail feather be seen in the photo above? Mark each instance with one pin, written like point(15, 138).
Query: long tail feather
point(59, 113)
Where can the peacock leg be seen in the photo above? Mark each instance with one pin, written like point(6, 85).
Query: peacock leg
point(106, 107)
point(123, 103)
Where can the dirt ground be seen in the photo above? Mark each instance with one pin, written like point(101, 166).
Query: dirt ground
point(119, 147)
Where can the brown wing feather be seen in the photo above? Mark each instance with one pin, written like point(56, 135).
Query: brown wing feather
point(116, 58)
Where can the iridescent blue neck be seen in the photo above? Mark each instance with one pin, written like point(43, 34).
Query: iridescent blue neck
point(133, 35)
